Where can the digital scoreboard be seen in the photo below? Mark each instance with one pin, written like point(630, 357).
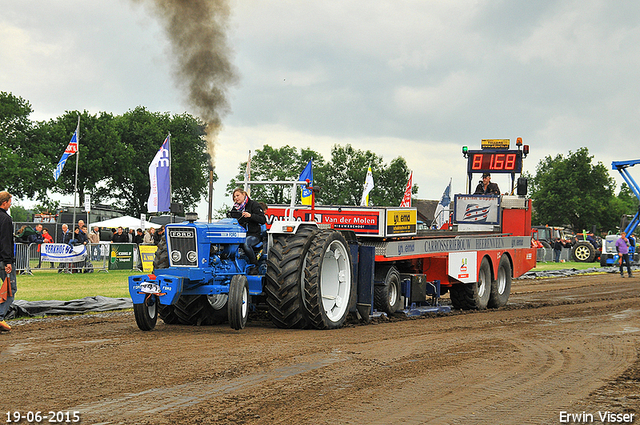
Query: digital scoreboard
point(494, 161)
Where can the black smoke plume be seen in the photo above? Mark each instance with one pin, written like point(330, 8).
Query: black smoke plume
point(197, 31)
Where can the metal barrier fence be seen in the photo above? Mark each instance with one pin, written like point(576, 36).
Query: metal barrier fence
point(28, 259)
point(545, 255)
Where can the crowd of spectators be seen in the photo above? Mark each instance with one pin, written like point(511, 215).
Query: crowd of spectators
point(81, 236)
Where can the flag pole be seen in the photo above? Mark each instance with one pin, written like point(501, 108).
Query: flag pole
point(172, 215)
point(247, 175)
point(75, 187)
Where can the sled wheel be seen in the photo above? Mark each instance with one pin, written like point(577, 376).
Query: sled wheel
point(238, 304)
point(473, 296)
point(146, 313)
point(501, 287)
point(387, 290)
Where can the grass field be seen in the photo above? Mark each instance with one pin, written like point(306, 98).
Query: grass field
point(563, 266)
point(51, 285)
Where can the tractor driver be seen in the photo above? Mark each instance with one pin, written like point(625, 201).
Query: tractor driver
point(250, 216)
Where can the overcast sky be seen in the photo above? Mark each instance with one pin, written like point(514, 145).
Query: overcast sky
point(417, 79)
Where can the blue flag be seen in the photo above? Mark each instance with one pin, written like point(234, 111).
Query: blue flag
point(307, 173)
point(72, 148)
point(160, 178)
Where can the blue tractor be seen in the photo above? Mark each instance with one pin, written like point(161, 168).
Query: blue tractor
point(609, 256)
point(209, 279)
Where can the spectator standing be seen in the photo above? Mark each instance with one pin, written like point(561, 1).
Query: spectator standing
point(119, 236)
point(622, 246)
point(157, 236)
point(79, 238)
point(536, 243)
point(557, 249)
point(139, 237)
point(46, 238)
point(7, 260)
point(37, 238)
point(94, 240)
point(65, 237)
point(148, 236)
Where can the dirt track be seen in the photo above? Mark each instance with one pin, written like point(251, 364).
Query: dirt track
point(561, 345)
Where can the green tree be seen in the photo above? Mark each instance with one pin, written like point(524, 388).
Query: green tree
point(624, 205)
point(282, 164)
point(141, 134)
point(342, 179)
point(100, 152)
point(573, 191)
point(20, 213)
point(23, 156)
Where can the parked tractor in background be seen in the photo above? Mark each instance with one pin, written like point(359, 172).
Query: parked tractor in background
point(586, 247)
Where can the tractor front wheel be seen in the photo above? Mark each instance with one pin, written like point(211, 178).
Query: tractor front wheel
point(146, 313)
point(238, 304)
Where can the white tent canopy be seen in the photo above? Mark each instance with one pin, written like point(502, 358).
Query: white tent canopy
point(124, 221)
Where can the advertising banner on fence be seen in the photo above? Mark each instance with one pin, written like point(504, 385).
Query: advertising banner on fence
point(62, 252)
point(147, 252)
point(121, 256)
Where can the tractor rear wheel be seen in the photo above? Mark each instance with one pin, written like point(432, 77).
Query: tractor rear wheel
point(238, 304)
point(328, 280)
point(146, 313)
point(387, 290)
point(473, 296)
point(167, 314)
point(193, 310)
point(284, 279)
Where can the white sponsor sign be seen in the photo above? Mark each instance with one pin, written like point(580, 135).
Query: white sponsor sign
point(463, 266)
point(62, 252)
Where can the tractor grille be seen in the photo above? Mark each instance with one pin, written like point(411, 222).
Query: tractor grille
point(182, 246)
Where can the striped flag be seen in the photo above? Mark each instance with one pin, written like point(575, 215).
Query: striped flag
point(441, 215)
point(406, 200)
point(72, 148)
point(307, 173)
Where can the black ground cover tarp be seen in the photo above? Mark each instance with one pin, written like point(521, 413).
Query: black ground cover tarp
point(21, 308)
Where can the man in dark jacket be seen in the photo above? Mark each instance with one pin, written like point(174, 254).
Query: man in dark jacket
point(120, 237)
point(485, 187)
point(250, 216)
point(7, 260)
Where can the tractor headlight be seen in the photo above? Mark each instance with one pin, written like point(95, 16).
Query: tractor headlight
point(192, 256)
point(176, 256)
